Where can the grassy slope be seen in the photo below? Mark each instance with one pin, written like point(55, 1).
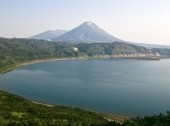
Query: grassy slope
point(15, 110)
point(15, 51)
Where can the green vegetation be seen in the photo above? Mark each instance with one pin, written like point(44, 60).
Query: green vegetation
point(15, 51)
point(162, 52)
point(115, 48)
point(15, 110)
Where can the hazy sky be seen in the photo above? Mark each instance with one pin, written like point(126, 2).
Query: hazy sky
point(146, 21)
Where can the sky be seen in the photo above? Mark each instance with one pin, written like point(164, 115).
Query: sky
point(143, 21)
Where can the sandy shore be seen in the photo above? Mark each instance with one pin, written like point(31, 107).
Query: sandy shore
point(71, 58)
point(43, 60)
point(42, 104)
point(36, 61)
point(52, 59)
point(60, 59)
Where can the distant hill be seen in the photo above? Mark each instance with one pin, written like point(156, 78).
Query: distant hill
point(150, 46)
point(48, 35)
point(15, 51)
point(115, 49)
point(164, 52)
point(87, 32)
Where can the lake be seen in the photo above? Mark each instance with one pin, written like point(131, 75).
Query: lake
point(119, 86)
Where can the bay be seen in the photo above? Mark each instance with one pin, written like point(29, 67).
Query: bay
point(119, 86)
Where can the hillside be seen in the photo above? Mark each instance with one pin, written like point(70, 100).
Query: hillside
point(15, 111)
point(115, 49)
point(16, 51)
point(164, 52)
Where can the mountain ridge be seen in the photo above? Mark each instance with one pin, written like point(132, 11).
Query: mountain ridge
point(48, 35)
point(88, 32)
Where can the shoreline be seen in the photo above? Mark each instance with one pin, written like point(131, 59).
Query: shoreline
point(51, 60)
point(40, 103)
point(80, 58)
point(42, 60)
point(83, 58)
point(35, 62)
point(108, 116)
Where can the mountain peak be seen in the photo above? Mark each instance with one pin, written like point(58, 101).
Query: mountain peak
point(89, 23)
point(88, 32)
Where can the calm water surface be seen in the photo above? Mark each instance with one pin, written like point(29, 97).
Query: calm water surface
point(120, 86)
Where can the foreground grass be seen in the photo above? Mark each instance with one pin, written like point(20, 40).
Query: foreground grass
point(15, 110)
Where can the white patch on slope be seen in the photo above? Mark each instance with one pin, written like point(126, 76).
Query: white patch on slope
point(91, 24)
point(75, 49)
